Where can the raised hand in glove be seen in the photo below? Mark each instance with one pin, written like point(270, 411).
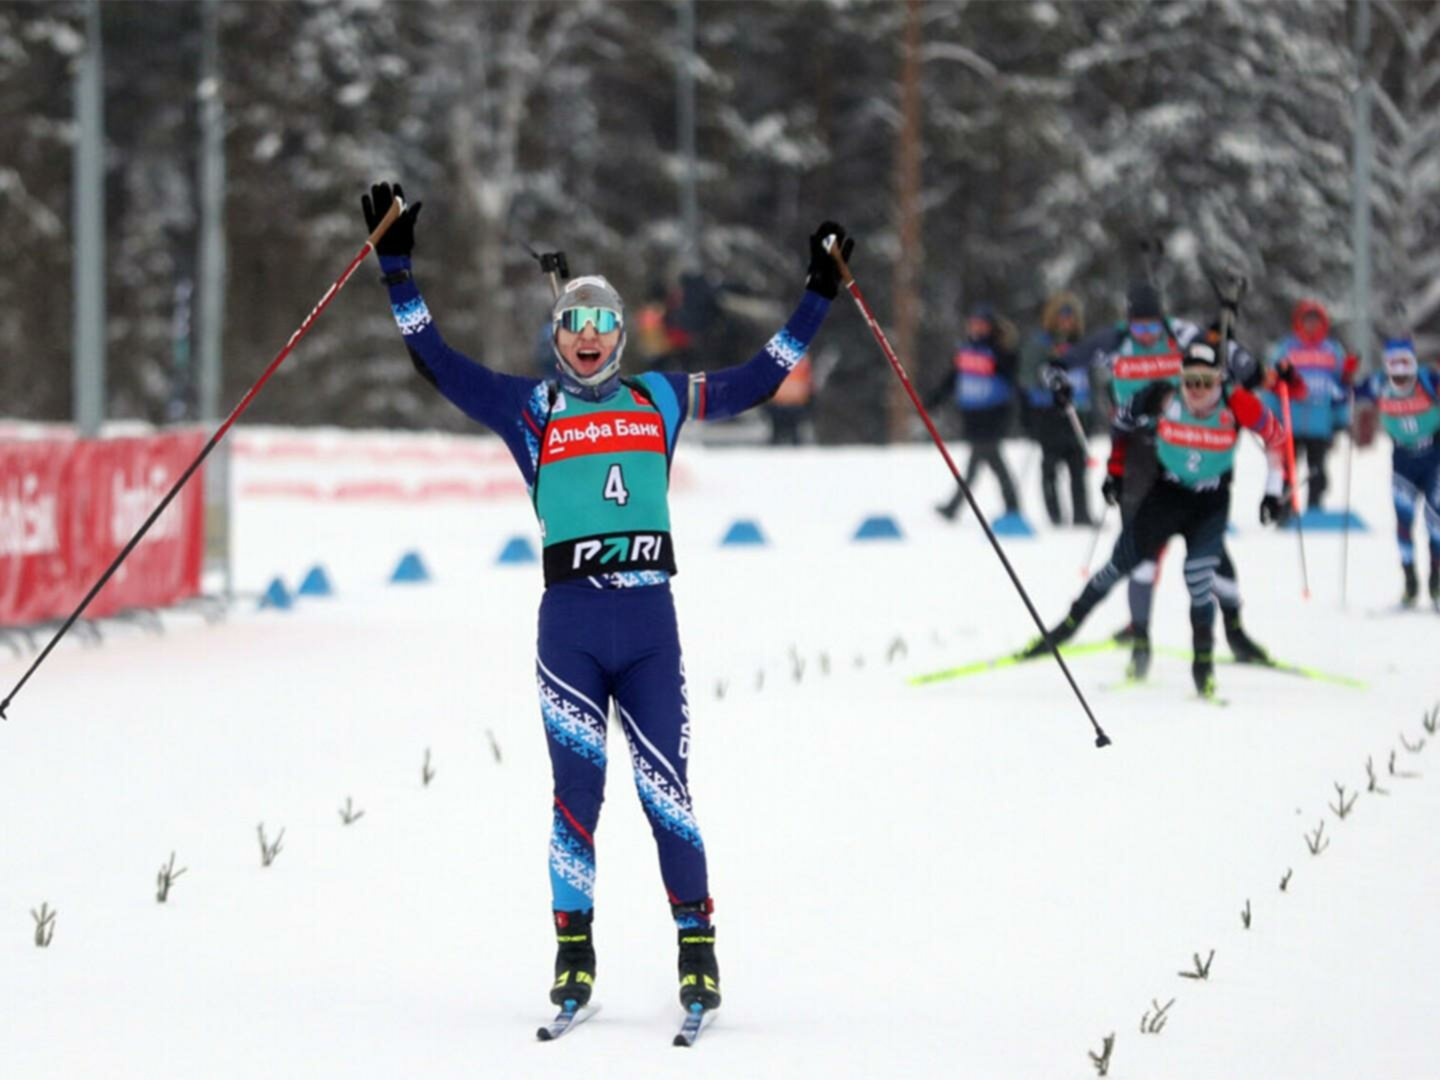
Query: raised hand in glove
point(1057, 380)
point(823, 275)
point(1275, 509)
point(1111, 488)
point(399, 239)
point(1285, 373)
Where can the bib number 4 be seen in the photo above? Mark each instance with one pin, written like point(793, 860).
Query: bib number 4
point(615, 486)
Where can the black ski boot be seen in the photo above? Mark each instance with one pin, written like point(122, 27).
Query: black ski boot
point(1412, 586)
point(1241, 643)
point(1435, 583)
point(699, 970)
point(1059, 635)
point(1202, 670)
point(1124, 635)
point(1139, 665)
point(574, 958)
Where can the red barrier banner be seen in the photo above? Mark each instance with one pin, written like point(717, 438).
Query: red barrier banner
point(67, 507)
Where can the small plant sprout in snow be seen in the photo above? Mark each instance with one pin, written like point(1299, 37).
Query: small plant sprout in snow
point(1153, 1022)
point(824, 663)
point(348, 814)
point(1101, 1061)
point(1374, 785)
point(1245, 915)
point(165, 878)
point(1431, 720)
point(427, 771)
point(898, 650)
point(1202, 971)
point(494, 746)
point(1413, 748)
point(760, 679)
point(720, 687)
point(1343, 808)
point(1285, 881)
point(268, 851)
point(1400, 774)
point(1317, 841)
point(44, 925)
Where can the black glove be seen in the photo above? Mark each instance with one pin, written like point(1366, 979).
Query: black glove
point(1057, 379)
point(823, 276)
point(399, 239)
point(1285, 373)
point(1110, 489)
point(1275, 509)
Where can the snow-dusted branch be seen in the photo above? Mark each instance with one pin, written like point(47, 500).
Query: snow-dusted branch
point(1202, 970)
point(1317, 841)
point(166, 878)
point(268, 851)
point(1154, 1019)
point(44, 925)
point(1101, 1061)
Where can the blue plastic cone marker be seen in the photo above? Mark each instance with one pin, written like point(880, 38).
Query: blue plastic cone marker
point(518, 549)
point(316, 583)
point(743, 531)
point(1011, 524)
point(1328, 521)
point(410, 570)
point(276, 596)
point(878, 527)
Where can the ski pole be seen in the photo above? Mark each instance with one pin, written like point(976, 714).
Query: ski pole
point(1079, 430)
point(1095, 540)
point(1284, 389)
point(848, 280)
point(1345, 522)
point(396, 207)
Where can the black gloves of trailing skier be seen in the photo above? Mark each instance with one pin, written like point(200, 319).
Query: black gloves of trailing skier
point(399, 239)
point(1111, 488)
point(823, 275)
point(1285, 373)
point(1057, 380)
point(1275, 509)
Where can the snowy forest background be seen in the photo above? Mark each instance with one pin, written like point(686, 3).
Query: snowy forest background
point(1055, 136)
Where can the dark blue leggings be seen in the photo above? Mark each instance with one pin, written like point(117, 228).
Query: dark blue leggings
point(596, 645)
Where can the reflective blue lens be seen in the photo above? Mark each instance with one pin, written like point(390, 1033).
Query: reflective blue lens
point(604, 320)
point(1146, 329)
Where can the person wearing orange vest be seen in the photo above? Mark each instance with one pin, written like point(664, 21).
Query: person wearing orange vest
point(981, 382)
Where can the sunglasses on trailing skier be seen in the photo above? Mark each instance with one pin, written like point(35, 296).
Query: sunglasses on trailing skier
point(1149, 329)
point(1200, 380)
point(603, 319)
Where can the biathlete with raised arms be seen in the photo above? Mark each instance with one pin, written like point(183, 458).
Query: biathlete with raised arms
point(1196, 430)
point(1149, 346)
point(595, 449)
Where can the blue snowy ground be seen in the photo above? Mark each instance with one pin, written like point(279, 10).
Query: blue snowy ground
point(911, 881)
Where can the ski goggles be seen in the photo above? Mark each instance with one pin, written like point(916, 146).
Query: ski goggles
point(1148, 330)
point(1200, 380)
point(603, 319)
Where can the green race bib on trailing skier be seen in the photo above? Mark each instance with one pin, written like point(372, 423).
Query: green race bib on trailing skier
point(1136, 366)
point(1412, 420)
point(601, 489)
point(1196, 451)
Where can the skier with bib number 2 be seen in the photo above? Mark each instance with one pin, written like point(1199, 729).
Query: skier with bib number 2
point(595, 449)
point(1196, 432)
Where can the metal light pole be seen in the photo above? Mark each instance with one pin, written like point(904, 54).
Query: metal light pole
point(212, 285)
point(907, 201)
point(88, 209)
point(685, 122)
point(1361, 300)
